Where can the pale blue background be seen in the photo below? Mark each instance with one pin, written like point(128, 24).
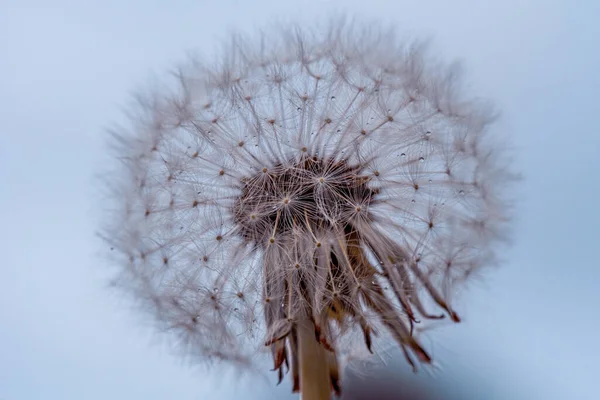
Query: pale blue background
point(66, 67)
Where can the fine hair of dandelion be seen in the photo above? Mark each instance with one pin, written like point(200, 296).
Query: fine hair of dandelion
point(332, 176)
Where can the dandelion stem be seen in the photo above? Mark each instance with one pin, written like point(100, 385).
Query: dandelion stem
point(314, 369)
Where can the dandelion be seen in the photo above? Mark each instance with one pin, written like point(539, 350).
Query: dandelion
point(310, 188)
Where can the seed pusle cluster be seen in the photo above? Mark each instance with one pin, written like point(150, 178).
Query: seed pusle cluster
point(333, 180)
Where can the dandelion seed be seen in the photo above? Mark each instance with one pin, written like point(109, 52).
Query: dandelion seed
point(298, 232)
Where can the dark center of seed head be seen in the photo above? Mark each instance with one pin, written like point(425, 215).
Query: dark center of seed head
point(262, 209)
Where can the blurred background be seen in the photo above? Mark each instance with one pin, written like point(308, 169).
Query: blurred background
point(67, 67)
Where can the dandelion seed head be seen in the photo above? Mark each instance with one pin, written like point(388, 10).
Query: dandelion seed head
point(338, 176)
